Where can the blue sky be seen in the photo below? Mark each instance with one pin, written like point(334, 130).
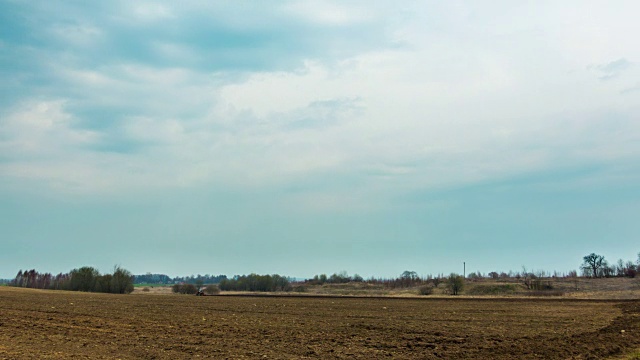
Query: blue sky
point(314, 137)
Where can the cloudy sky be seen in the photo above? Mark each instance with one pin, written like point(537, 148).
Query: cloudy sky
point(310, 137)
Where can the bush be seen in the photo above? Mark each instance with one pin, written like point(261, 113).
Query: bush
point(189, 289)
point(121, 281)
point(184, 289)
point(536, 283)
point(456, 284)
point(145, 289)
point(425, 290)
point(103, 283)
point(300, 288)
point(84, 279)
point(630, 272)
point(212, 290)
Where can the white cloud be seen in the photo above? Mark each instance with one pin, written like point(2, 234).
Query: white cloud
point(41, 128)
point(150, 11)
point(467, 97)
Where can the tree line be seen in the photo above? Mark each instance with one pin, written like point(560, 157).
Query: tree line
point(85, 278)
point(594, 265)
point(162, 279)
point(121, 281)
point(406, 280)
point(255, 282)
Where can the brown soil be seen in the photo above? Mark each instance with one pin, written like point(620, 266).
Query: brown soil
point(57, 325)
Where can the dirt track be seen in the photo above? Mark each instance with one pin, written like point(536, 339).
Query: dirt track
point(49, 324)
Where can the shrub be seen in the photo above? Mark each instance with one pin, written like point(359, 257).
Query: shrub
point(103, 283)
point(536, 283)
point(300, 288)
point(145, 289)
point(83, 279)
point(189, 289)
point(425, 290)
point(456, 284)
point(184, 289)
point(630, 272)
point(212, 290)
point(121, 281)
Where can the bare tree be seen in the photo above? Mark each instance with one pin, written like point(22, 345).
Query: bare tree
point(619, 268)
point(593, 264)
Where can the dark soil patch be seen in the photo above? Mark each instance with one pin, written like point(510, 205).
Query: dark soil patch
point(59, 325)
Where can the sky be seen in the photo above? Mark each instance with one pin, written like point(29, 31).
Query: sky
point(309, 137)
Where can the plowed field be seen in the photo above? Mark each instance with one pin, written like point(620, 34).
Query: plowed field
point(58, 325)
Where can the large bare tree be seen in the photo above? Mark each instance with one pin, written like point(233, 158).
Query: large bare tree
point(594, 263)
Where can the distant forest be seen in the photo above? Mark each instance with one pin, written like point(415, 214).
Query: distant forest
point(162, 279)
point(85, 278)
point(593, 266)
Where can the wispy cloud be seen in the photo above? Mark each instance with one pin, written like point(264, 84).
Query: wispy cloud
point(281, 93)
point(612, 69)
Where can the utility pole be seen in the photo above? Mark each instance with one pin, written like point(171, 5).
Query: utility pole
point(464, 269)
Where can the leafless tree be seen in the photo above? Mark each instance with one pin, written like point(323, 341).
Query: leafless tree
point(593, 264)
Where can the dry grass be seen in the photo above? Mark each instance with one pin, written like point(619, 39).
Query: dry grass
point(596, 289)
point(153, 290)
point(612, 288)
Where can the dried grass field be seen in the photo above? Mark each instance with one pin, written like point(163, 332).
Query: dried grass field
point(38, 324)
